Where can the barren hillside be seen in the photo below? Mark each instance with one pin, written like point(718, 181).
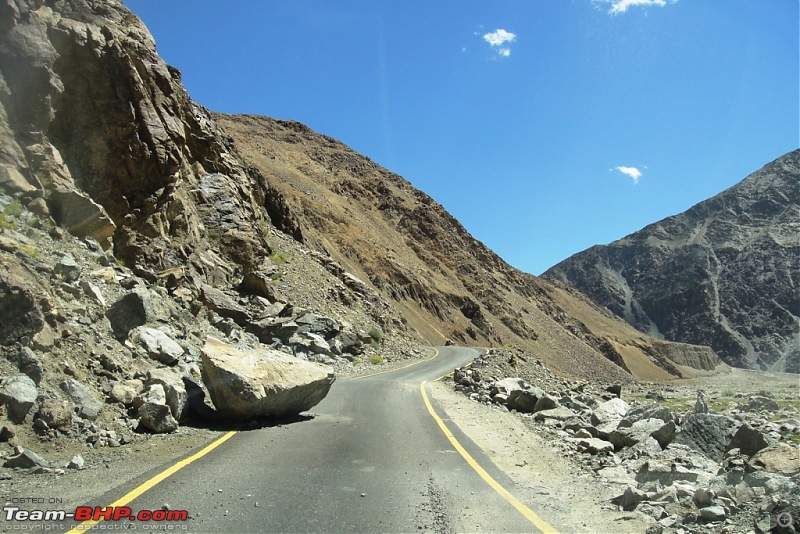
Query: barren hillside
point(420, 259)
point(723, 274)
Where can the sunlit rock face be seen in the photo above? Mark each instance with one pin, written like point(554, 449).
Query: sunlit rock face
point(94, 122)
point(725, 273)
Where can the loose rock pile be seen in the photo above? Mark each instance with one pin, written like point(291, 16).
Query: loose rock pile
point(91, 352)
point(691, 472)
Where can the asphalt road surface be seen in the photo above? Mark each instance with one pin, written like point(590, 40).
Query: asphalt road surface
point(369, 458)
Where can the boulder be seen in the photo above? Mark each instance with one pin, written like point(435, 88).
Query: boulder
point(647, 411)
point(125, 391)
point(630, 498)
point(153, 394)
point(25, 459)
point(556, 414)
point(20, 313)
point(158, 345)
point(30, 365)
point(157, 418)
point(223, 304)
point(93, 292)
point(67, 269)
point(761, 403)
point(81, 216)
point(594, 445)
point(76, 462)
point(86, 405)
point(546, 402)
point(134, 309)
point(350, 343)
point(707, 433)
point(19, 394)
point(310, 343)
point(523, 400)
point(7, 432)
point(648, 448)
point(507, 385)
point(782, 459)
point(316, 324)
point(610, 411)
point(640, 431)
point(174, 390)
point(272, 328)
point(748, 440)
point(252, 383)
point(713, 513)
point(259, 283)
point(701, 404)
point(664, 473)
point(12, 181)
point(56, 414)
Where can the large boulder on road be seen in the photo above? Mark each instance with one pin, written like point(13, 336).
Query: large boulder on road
point(252, 383)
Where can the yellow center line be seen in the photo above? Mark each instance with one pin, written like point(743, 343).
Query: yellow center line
point(529, 514)
point(435, 354)
point(133, 494)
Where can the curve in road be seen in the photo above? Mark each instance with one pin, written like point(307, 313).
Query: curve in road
point(373, 456)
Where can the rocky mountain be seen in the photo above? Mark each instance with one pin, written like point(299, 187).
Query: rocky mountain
point(132, 236)
point(143, 238)
point(423, 262)
point(725, 273)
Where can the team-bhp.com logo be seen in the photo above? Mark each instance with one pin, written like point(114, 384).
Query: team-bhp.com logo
point(87, 513)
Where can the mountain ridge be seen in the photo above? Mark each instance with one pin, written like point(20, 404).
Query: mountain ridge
point(731, 262)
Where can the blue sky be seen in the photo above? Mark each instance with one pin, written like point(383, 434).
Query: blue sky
point(544, 126)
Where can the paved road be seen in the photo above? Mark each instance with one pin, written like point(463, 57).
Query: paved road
point(371, 458)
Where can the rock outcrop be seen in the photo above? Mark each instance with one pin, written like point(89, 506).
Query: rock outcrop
point(725, 273)
point(258, 383)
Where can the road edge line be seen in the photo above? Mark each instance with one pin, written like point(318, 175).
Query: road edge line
point(139, 490)
point(526, 512)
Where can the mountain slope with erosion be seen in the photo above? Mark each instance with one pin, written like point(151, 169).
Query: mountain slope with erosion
point(421, 260)
point(725, 273)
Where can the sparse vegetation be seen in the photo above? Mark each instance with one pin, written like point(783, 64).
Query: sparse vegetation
point(375, 359)
point(377, 336)
point(375, 333)
point(31, 251)
point(278, 258)
point(14, 209)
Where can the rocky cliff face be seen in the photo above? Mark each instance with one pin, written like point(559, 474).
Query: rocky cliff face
point(725, 273)
point(130, 232)
point(100, 129)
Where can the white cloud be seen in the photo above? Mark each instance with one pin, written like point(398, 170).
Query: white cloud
point(498, 38)
point(621, 6)
point(631, 172)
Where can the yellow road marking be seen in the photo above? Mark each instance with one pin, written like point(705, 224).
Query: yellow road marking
point(435, 354)
point(131, 495)
point(529, 514)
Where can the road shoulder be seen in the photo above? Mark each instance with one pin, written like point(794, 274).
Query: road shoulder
point(560, 490)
